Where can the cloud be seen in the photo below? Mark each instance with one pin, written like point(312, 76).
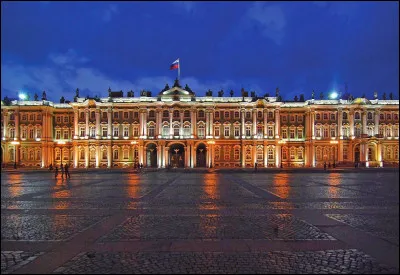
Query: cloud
point(109, 12)
point(270, 18)
point(187, 6)
point(59, 80)
point(67, 59)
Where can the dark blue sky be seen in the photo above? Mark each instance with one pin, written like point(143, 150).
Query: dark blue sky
point(298, 46)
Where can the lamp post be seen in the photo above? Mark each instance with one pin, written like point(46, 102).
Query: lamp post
point(15, 143)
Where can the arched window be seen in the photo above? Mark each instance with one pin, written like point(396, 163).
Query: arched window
point(165, 114)
point(318, 117)
point(284, 153)
point(200, 131)
point(300, 153)
point(382, 117)
point(357, 115)
point(344, 115)
point(186, 113)
point(176, 114)
point(152, 114)
point(201, 113)
point(292, 153)
point(116, 154)
point(369, 115)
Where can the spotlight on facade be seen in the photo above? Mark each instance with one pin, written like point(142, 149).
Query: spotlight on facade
point(333, 95)
point(22, 96)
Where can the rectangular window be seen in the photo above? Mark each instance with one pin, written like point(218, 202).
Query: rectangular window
point(104, 154)
point(135, 114)
point(116, 156)
point(126, 115)
point(151, 132)
point(200, 132)
point(126, 132)
point(58, 155)
point(82, 115)
point(216, 114)
point(237, 114)
point(326, 132)
point(291, 133)
point(270, 115)
point(300, 118)
point(23, 133)
point(58, 134)
point(237, 131)
point(39, 117)
point(318, 132)
point(66, 119)
point(344, 152)
point(284, 133)
point(325, 116)
point(292, 118)
point(270, 131)
point(292, 154)
point(248, 130)
point(176, 131)
point(226, 131)
point(31, 133)
point(299, 133)
point(82, 131)
point(135, 131)
point(116, 131)
point(248, 114)
point(125, 154)
point(58, 119)
point(116, 114)
point(226, 116)
point(332, 116)
point(32, 117)
point(299, 154)
point(66, 134)
point(24, 117)
point(216, 131)
point(270, 153)
point(104, 115)
point(104, 132)
point(227, 155)
point(284, 118)
point(236, 154)
point(92, 131)
point(333, 132)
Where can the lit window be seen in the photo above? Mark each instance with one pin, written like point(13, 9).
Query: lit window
point(116, 155)
point(216, 131)
point(226, 131)
point(58, 134)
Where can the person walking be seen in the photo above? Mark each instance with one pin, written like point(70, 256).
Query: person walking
point(56, 172)
point(255, 167)
point(62, 170)
point(67, 171)
point(324, 165)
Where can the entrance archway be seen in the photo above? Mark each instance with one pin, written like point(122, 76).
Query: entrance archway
point(177, 155)
point(357, 153)
point(201, 153)
point(151, 155)
point(371, 152)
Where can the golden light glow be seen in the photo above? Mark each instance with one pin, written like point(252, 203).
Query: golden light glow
point(14, 142)
point(281, 185)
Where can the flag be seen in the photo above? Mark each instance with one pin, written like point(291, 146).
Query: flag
point(174, 65)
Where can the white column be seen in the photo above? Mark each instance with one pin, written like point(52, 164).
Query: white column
point(159, 156)
point(5, 126)
point(145, 123)
point(87, 156)
point(97, 156)
point(181, 124)
point(351, 117)
point(278, 155)
point(187, 155)
point(109, 125)
point(254, 122)
point(98, 130)
point(243, 155)
point(207, 123)
point(312, 124)
point(277, 123)
point(158, 123)
point(76, 155)
point(75, 124)
point(193, 156)
point(254, 153)
point(211, 124)
point(364, 121)
point(166, 162)
point(265, 155)
point(171, 130)
point(376, 122)
point(87, 123)
point(265, 122)
point(192, 122)
point(242, 112)
point(16, 119)
point(340, 122)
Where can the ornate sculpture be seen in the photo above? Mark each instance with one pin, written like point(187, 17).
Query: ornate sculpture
point(231, 93)
point(109, 91)
point(36, 97)
point(44, 96)
point(62, 99)
point(77, 93)
point(312, 94)
point(221, 93)
point(277, 91)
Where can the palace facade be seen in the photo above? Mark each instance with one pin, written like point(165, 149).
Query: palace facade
point(178, 128)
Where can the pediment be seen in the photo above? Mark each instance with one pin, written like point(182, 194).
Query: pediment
point(177, 91)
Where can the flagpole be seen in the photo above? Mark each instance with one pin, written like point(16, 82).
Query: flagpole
point(179, 69)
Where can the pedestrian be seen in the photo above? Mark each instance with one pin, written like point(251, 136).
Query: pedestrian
point(62, 170)
point(141, 166)
point(324, 165)
point(355, 164)
point(51, 167)
point(56, 172)
point(66, 168)
point(329, 165)
point(334, 165)
point(255, 167)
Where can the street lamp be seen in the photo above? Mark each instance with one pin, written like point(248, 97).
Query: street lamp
point(15, 143)
point(333, 95)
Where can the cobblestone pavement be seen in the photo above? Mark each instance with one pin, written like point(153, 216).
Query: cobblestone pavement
point(12, 260)
point(173, 222)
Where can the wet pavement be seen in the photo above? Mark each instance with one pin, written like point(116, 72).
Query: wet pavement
point(177, 222)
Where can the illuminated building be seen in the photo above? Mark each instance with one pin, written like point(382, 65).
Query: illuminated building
point(180, 129)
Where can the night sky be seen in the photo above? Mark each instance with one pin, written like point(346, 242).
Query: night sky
point(298, 46)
